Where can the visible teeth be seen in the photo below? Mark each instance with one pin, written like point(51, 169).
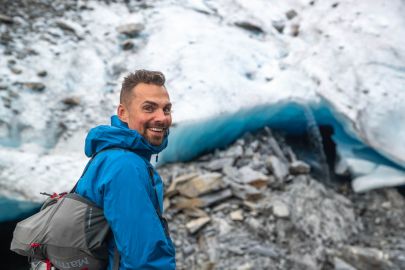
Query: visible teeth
point(157, 129)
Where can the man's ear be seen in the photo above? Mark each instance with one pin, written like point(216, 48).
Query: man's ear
point(122, 113)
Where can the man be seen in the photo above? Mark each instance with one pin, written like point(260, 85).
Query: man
point(122, 181)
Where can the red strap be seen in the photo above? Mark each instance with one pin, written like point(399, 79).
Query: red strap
point(35, 245)
point(48, 264)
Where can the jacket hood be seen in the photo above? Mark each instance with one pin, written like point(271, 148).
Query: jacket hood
point(118, 135)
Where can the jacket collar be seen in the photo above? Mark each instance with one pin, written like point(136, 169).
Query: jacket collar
point(118, 135)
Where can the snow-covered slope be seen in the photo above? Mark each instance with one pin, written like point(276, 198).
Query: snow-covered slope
point(221, 58)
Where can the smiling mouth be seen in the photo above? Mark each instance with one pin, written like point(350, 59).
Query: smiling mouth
point(159, 130)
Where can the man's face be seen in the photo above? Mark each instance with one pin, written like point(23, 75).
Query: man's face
point(149, 112)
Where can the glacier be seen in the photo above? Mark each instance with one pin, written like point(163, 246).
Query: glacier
point(342, 66)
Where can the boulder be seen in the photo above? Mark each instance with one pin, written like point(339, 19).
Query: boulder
point(172, 190)
point(246, 192)
point(42, 73)
point(280, 209)
point(291, 14)
point(219, 164)
point(207, 200)
point(200, 185)
point(127, 45)
point(251, 177)
point(249, 26)
point(6, 19)
point(277, 167)
point(71, 101)
point(181, 203)
point(295, 30)
point(195, 212)
point(366, 258)
point(342, 265)
point(131, 29)
point(71, 26)
point(268, 251)
point(236, 215)
point(276, 149)
point(319, 212)
point(35, 86)
point(196, 224)
point(234, 151)
point(299, 167)
point(215, 197)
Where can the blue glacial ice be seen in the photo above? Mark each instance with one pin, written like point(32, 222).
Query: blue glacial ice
point(193, 138)
point(16, 209)
point(366, 165)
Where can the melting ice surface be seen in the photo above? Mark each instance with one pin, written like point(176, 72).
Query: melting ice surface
point(194, 138)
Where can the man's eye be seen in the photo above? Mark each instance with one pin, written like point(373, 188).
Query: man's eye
point(148, 109)
point(167, 110)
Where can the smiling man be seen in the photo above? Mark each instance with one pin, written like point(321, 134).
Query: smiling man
point(146, 106)
point(123, 182)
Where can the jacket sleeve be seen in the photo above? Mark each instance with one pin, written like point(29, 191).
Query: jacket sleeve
point(129, 210)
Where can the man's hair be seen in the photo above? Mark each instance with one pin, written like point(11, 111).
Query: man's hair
point(139, 76)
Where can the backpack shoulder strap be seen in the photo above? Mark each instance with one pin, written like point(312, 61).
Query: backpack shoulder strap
point(117, 258)
point(152, 179)
point(88, 164)
point(157, 207)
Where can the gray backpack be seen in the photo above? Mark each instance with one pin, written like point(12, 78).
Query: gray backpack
point(69, 233)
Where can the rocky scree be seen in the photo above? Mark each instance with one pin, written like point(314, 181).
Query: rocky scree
point(255, 206)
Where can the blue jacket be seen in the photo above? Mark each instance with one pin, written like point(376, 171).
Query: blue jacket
point(118, 181)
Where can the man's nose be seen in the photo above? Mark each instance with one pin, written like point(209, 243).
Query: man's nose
point(161, 116)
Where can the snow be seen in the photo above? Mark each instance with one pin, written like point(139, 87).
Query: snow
point(223, 80)
point(24, 175)
point(382, 176)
